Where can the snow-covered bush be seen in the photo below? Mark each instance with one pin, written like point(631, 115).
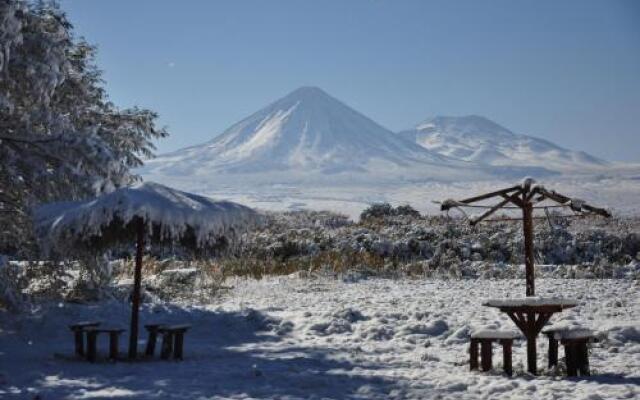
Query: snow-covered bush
point(438, 247)
point(381, 210)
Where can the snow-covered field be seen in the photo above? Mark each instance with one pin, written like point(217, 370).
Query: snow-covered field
point(618, 191)
point(293, 338)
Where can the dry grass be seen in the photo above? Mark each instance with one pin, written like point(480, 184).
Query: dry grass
point(332, 261)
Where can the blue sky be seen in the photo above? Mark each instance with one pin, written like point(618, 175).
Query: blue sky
point(566, 71)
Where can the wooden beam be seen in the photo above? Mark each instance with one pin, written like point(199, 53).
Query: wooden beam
point(542, 320)
point(533, 192)
point(527, 227)
point(520, 324)
point(135, 298)
point(492, 210)
point(597, 210)
point(553, 195)
point(514, 199)
point(536, 218)
point(490, 195)
point(562, 199)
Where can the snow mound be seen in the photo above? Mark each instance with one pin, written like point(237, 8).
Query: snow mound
point(341, 322)
point(432, 328)
point(624, 333)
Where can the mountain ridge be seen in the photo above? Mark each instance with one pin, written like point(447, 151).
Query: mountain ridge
point(477, 139)
point(306, 130)
point(310, 136)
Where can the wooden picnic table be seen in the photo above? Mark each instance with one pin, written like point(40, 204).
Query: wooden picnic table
point(530, 314)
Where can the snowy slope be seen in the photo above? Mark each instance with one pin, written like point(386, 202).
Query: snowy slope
point(308, 132)
point(477, 139)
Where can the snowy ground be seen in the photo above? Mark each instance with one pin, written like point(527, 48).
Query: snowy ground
point(292, 338)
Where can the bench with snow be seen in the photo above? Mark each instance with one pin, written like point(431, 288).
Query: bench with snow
point(78, 330)
point(172, 340)
point(484, 339)
point(576, 348)
point(92, 341)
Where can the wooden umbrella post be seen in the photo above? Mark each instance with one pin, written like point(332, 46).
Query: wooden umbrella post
point(135, 298)
point(527, 225)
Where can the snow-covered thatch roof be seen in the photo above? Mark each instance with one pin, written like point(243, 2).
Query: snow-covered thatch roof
point(169, 216)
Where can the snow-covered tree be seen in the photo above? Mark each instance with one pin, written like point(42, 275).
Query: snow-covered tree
point(60, 136)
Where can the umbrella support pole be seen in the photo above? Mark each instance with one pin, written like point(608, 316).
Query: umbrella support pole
point(527, 225)
point(135, 298)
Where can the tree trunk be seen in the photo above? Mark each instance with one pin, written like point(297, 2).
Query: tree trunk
point(135, 298)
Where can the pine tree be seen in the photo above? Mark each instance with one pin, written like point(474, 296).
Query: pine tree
point(60, 136)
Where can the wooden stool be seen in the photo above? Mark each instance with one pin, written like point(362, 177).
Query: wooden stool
point(484, 339)
point(151, 339)
point(78, 330)
point(576, 349)
point(92, 342)
point(172, 340)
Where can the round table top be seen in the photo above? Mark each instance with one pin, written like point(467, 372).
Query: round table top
point(532, 303)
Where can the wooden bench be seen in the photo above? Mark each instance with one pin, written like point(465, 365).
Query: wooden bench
point(172, 340)
point(78, 330)
point(92, 341)
point(484, 339)
point(576, 349)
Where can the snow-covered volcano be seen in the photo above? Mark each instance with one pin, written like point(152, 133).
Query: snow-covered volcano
point(307, 131)
point(480, 140)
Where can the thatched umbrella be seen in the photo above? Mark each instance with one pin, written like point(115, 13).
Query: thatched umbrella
point(150, 211)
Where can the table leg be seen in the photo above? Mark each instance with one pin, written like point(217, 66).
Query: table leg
point(485, 351)
point(178, 345)
point(507, 356)
point(583, 356)
point(167, 345)
point(79, 341)
point(526, 321)
point(473, 354)
point(113, 345)
point(92, 350)
point(553, 352)
point(151, 342)
point(570, 359)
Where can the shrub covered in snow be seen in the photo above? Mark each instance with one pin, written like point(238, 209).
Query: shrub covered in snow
point(321, 243)
point(437, 246)
point(381, 210)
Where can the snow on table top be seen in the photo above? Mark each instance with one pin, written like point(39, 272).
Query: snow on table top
point(494, 334)
point(530, 301)
point(569, 329)
point(573, 334)
point(173, 210)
